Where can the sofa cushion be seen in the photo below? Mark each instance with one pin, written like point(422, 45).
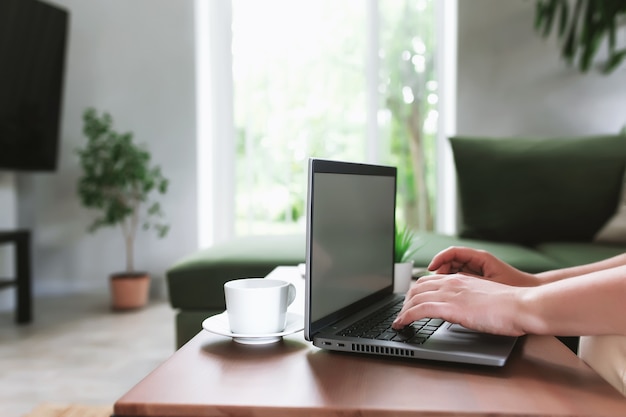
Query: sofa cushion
point(523, 258)
point(579, 253)
point(197, 281)
point(531, 190)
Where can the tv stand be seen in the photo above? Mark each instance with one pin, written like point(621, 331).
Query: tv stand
point(22, 281)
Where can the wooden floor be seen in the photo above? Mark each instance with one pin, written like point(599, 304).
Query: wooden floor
point(77, 351)
point(70, 410)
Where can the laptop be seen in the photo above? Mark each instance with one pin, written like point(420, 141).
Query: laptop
point(349, 274)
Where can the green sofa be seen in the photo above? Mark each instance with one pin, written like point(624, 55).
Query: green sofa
point(538, 204)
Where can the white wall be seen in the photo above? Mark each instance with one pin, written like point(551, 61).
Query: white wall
point(513, 82)
point(134, 59)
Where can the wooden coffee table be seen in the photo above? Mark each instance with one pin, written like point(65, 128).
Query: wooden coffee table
point(213, 376)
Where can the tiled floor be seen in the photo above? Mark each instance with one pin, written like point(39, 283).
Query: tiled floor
point(78, 351)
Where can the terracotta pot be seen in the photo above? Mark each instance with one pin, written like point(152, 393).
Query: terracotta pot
point(129, 290)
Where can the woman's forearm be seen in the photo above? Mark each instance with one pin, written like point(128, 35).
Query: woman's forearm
point(559, 274)
point(590, 304)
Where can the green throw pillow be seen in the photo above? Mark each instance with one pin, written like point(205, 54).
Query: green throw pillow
point(532, 190)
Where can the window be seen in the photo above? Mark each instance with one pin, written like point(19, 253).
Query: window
point(353, 80)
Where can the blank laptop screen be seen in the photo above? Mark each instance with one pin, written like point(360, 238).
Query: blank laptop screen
point(352, 238)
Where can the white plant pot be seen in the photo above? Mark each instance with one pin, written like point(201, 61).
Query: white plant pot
point(402, 276)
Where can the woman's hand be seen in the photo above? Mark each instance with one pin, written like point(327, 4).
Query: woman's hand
point(477, 290)
point(479, 263)
point(472, 302)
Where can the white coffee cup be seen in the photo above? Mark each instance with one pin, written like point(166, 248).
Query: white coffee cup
point(258, 305)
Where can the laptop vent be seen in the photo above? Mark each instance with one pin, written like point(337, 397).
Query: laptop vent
point(381, 350)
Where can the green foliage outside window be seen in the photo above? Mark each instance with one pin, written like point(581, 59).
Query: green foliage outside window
point(409, 89)
point(304, 95)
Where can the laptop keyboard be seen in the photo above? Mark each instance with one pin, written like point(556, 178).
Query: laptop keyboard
point(378, 326)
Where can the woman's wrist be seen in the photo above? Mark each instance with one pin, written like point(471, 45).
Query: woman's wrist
point(527, 317)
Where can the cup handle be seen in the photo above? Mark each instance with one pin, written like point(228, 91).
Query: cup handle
point(291, 294)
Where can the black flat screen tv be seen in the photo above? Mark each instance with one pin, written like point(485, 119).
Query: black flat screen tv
point(33, 37)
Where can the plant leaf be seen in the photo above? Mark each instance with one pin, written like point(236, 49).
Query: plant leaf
point(563, 17)
point(614, 61)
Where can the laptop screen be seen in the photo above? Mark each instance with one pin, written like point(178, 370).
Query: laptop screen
point(350, 234)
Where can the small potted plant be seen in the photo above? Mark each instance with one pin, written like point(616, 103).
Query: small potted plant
point(119, 181)
point(405, 248)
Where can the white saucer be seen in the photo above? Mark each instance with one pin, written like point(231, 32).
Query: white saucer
point(218, 324)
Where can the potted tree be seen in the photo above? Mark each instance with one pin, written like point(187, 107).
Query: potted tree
point(405, 248)
point(119, 181)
